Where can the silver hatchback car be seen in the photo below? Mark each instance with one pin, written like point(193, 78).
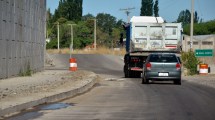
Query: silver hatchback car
point(162, 66)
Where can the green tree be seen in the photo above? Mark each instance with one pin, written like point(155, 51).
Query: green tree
point(119, 23)
point(87, 17)
point(83, 34)
point(67, 12)
point(196, 17)
point(62, 9)
point(102, 38)
point(52, 44)
point(116, 37)
point(69, 9)
point(106, 22)
point(211, 26)
point(56, 16)
point(201, 28)
point(146, 8)
point(70, 12)
point(185, 17)
point(74, 9)
point(48, 17)
point(156, 9)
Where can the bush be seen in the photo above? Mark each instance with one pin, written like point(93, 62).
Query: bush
point(190, 62)
point(53, 44)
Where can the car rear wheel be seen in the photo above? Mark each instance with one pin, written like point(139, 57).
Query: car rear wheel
point(144, 80)
point(177, 82)
point(147, 81)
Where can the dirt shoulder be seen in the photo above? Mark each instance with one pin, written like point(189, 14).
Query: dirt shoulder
point(206, 80)
point(14, 91)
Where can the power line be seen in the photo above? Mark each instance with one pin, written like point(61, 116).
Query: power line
point(127, 11)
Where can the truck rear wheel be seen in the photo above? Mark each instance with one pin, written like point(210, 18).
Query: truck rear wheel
point(137, 74)
point(127, 72)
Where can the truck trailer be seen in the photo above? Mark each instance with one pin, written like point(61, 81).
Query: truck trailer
point(145, 35)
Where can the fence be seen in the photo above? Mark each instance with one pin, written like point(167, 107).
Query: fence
point(22, 36)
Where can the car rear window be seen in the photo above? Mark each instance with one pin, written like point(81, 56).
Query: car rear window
point(163, 58)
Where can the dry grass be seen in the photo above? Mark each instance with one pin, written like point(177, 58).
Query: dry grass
point(99, 50)
point(55, 51)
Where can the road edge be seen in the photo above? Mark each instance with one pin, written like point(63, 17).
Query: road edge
point(53, 98)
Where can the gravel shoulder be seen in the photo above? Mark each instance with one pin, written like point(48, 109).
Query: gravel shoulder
point(18, 90)
point(206, 80)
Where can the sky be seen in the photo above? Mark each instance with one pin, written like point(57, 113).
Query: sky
point(168, 9)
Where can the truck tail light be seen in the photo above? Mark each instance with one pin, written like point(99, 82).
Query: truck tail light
point(135, 60)
point(178, 66)
point(148, 66)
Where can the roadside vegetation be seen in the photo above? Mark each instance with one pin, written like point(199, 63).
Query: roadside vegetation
point(100, 50)
point(190, 62)
point(26, 72)
point(108, 28)
point(204, 28)
point(200, 27)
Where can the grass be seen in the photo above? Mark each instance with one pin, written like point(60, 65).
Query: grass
point(27, 72)
point(99, 50)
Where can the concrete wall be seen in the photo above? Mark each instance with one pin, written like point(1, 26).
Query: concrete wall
point(199, 42)
point(22, 36)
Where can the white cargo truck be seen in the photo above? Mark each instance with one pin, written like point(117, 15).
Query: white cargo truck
point(145, 35)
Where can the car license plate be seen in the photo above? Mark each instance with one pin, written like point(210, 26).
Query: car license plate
point(163, 74)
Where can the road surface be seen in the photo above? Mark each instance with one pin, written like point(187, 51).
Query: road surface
point(119, 98)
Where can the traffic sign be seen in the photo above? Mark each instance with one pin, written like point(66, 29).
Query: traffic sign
point(204, 53)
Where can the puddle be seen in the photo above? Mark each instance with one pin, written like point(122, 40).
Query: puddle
point(55, 106)
point(36, 112)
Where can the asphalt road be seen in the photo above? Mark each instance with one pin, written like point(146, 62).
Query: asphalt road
point(118, 98)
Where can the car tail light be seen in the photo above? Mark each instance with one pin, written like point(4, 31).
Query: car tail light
point(148, 66)
point(178, 66)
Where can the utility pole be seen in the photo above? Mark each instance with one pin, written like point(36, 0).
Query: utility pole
point(71, 45)
point(127, 11)
point(58, 37)
point(191, 26)
point(94, 34)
